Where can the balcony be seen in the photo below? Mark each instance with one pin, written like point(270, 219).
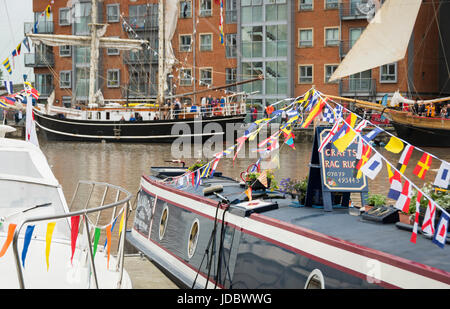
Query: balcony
point(357, 87)
point(143, 23)
point(344, 48)
point(353, 10)
point(44, 90)
point(44, 27)
point(140, 90)
point(37, 60)
point(141, 57)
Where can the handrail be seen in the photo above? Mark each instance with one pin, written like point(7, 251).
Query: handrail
point(83, 213)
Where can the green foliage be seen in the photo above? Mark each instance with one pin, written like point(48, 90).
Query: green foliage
point(251, 178)
point(376, 200)
point(196, 166)
point(442, 198)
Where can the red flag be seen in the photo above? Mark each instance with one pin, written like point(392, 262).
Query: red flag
point(75, 221)
point(416, 219)
point(404, 199)
point(404, 159)
point(423, 166)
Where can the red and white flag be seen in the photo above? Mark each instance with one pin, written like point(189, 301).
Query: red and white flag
point(330, 135)
point(404, 199)
point(428, 220)
point(404, 159)
point(416, 219)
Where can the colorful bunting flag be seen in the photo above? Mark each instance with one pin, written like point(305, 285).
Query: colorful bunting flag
point(26, 43)
point(48, 241)
point(404, 199)
point(390, 173)
point(108, 239)
point(18, 48)
point(314, 113)
point(428, 220)
point(7, 66)
point(404, 159)
point(396, 186)
point(394, 145)
point(8, 86)
point(74, 225)
point(366, 152)
point(222, 40)
point(248, 192)
point(263, 178)
point(416, 218)
point(48, 10)
point(440, 236)
point(9, 238)
point(96, 239)
point(443, 176)
point(373, 166)
point(329, 136)
point(26, 243)
point(422, 166)
point(372, 134)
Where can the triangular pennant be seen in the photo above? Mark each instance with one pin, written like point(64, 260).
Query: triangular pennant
point(48, 241)
point(96, 239)
point(108, 238)
point(74, 225)
point(9, 238)
point(26, 242)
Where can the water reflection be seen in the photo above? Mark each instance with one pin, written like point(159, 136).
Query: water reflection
point(123, 164)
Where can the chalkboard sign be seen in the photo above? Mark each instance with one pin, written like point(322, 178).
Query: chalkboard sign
point(332, 174)
point(338, 168)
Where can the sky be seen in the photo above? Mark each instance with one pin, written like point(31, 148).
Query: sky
point(13, 15)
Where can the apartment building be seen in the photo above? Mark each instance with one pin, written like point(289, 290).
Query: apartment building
point(294, 44)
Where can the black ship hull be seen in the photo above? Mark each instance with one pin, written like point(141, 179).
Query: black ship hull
point(160, 131)
point(422, 136)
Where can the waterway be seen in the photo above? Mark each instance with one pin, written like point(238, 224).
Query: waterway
point(123, 164)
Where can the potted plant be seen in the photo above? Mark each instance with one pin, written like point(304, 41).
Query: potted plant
point(441, 197)
point(252, 181)
point(300, 187)
point(196, 166)
point(375, 200)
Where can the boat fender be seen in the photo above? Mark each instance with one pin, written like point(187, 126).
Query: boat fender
point(212, 189)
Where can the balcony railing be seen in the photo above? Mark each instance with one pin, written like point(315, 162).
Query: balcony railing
point(37, 60)
point(45, 27)
point(344, 48)
point(357, 87)
point(142, 57)
point(140, 90)
point(352, 10)
point(143, 23)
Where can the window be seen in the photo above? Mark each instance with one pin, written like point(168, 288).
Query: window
point(64, 17)
point(113, 12)
point(388, 73)
point(305, 74)
point(252, 70)
point(331, 4)
point(354, 34)
point(65, 79)
point(44, 84)
point(230, 78)
point(305, 38)
point(185, 77)
point(205, 8)
point(252, 42)
point(276, 77)
point(206, 76)
point(67, 101)
point(205, 42)
point(65, 51)
point(276, 41)
point(252, 14)
point(231, 11)
point(112, 51)
point(82, 18)
point(185, 9)
point(329, 70)
point(163, 222)
point(113, 78)
point(185, 42)
point(230, 45)
point(193, 238)
point(276, 10)
point(331, 36)
point(305, 5)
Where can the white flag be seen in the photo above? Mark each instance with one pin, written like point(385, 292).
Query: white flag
point(373, 166)
point(440, 236)
point(30, 126)
point(443, 176)
point(428, 220)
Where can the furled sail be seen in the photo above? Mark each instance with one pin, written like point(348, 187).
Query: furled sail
point(384, 41)
point(79, 40)
point(171, 14)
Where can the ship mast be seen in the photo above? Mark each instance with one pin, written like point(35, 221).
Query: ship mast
point(94, 52)
point(161, 48)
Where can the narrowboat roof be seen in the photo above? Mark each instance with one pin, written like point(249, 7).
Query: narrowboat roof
point(342, 224)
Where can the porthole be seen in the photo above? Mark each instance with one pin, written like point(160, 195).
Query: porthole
point(315, 280)
point(193, 238)
point(163, 222)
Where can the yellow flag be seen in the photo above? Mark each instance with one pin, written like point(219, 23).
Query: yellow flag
point(48, 240)
point(390, 173)
point(248, 192)
point(122, 222)
point(343, 142)
point(275, 162)
point(395, 145)
point(254, 134)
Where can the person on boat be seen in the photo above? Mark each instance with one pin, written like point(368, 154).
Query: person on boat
point(122, 120)
point(166, 109)
point(254, 114)
point(421, 110)
point(448, 111)
point(209, 102)
point(430, 110)
point(203, 103)
point(176, 108)
point(138, 117)
point(132, 118)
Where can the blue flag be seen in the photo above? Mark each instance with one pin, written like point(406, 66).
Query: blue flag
point(26, 242)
